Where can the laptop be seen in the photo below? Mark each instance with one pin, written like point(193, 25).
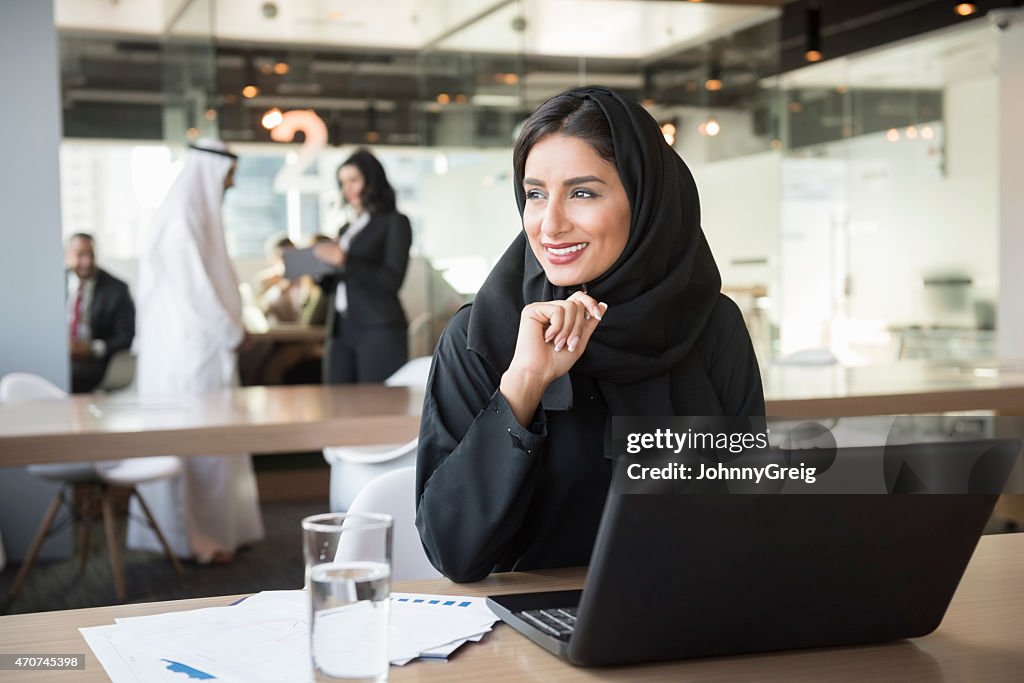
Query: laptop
point(703, 575)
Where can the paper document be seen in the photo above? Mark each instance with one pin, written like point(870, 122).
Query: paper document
point(266, 638)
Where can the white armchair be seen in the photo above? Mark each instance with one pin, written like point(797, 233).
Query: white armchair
point(353, 467)
point(93, 481)
point(394, 493)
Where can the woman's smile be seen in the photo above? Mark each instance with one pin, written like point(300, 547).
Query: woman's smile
point(561, 254)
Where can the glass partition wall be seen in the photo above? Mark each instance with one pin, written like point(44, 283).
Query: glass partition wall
point(835, 196)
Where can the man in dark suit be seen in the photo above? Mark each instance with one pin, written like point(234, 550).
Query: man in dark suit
point(100, 314)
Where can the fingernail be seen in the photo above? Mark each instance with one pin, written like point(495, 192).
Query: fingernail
point(558, 344)
point(597, 312)
point(573, 342)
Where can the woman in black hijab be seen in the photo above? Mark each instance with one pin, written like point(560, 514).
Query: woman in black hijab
point(608, 303)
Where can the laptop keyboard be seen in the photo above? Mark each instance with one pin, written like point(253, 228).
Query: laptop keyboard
point(559, 622)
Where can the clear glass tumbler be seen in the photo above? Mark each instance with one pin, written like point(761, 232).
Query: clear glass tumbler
point(348, 574)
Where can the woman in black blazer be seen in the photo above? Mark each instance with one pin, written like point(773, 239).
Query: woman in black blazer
point(366, 326)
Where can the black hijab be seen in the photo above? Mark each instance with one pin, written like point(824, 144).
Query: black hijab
point(660, 291)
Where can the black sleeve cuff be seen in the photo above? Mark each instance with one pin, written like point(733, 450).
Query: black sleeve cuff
point(527, 440)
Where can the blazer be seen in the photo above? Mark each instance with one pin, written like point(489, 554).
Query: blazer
point(112, 313)
point(377, 260)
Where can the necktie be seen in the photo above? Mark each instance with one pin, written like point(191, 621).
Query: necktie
point(76, 316)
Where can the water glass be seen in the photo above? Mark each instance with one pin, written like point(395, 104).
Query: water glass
point(348, 574)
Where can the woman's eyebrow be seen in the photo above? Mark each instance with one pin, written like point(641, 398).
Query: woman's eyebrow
point(583, 179)
point(578, 180)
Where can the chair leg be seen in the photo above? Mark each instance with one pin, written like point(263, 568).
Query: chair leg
point(159, 534)
point(84, 541)
point(113, 549)
point(37, 543)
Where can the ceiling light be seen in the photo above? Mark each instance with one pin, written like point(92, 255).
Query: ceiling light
point(812, 49)
point(711, 127)
point(443, 98)
point(460, 98)
point(668, 131)
point(272, 118)
point(927, 133)
point(250, 91)
point(965, 9)
point(192, 133)
point(911, 133)
point(892, 135)
point(281, 68)
point(210, 114)
point(714, 81)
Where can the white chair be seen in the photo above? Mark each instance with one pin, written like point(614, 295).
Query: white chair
point(120, 372)
point(394, 493)
point(92, 484)
point(413, 374)
point(353, 467)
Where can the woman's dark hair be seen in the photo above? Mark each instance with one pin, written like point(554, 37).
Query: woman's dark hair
point(378, 196)
point(565, 115)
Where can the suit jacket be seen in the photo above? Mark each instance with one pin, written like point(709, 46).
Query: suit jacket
point(377, 259)
point(112, 313)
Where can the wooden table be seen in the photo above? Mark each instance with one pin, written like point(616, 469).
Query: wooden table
point(980, 639)
point(243, 420)
point(289, 332)
point(897, 389)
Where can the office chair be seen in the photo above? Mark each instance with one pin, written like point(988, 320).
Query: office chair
point(394, 493)
point(92, 484)
point(353, 467)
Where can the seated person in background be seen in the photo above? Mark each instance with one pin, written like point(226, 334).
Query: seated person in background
point(280, 299)
point(100, 314)
point(607, 303)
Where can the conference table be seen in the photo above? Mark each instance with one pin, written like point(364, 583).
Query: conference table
point(981, 637)
point(278, 419)
point(907, 387)
point(242, 420)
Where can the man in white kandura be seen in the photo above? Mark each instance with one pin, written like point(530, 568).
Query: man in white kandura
point(190, 327)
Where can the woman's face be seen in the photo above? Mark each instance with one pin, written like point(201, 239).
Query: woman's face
point(352, 184)
point(577, 213)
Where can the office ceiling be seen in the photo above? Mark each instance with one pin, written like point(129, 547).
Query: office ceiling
point(950, 56)
point(627, 29)
point(420, 69)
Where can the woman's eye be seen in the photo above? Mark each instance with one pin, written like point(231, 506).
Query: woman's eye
point(582, 194)
point(534, 194)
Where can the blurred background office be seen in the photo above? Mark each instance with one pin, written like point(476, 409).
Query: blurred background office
point(869, 167)
point(859, 163)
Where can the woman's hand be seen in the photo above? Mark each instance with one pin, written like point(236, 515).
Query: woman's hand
point(552, 337)
point(329, 252)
